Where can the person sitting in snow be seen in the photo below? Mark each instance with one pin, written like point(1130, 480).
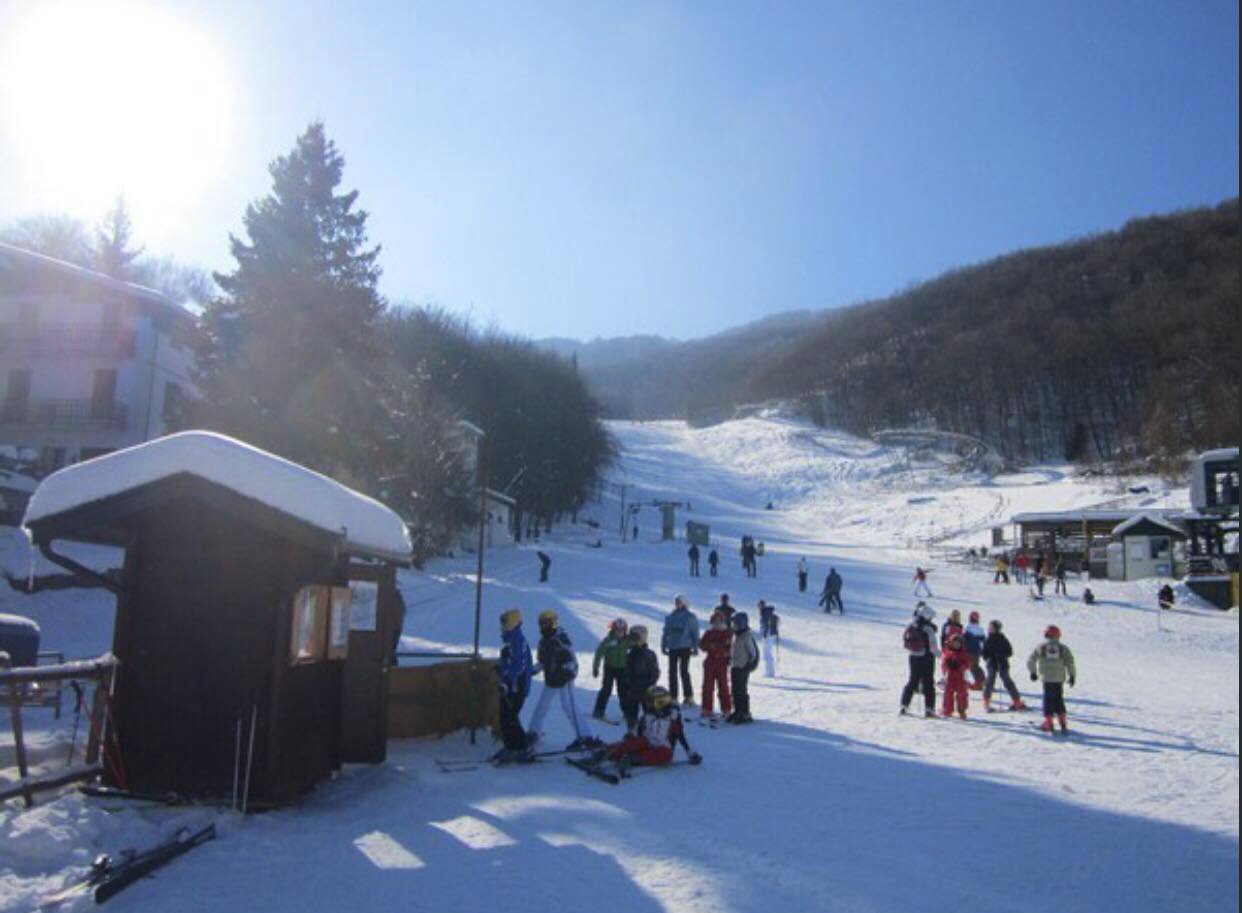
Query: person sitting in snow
point(1054, 663)
point(973, 637)
point(996, 653)
point(559, 664)
point(955, 661)
point(717, 646)
point(513, 673)
point(1088, 597)
point(660, 730)
point(642, 670)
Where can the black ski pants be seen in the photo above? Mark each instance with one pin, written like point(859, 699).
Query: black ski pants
point(611, 677)
point(1054, 698)
point(694, 567)
point(739, 679)
point(801, 581)
point(511, 731)
point(679, 668)
point(922, 678)
point(1000, 667)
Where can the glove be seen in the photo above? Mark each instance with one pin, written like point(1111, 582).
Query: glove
point(696, 758)
point(1034, 677)
point(1071, 681)
point(594, 673)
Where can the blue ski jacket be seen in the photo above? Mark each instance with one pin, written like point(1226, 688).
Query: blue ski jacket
point(514, 668)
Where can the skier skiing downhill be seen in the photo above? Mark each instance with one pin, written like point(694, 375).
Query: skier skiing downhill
point(513, 672)
point(642, 670)
point(832, 592)
point(996, 653)
point(922, 646)
point(955, 661)
point(678, 641)
point(717, 646)
point(659, 732)
point(559, 665)
point(611, 654)
point(920, 582)
point(1054, 663)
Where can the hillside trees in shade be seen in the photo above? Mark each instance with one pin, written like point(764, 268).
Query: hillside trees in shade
point(545, 444)
point(1117, 345)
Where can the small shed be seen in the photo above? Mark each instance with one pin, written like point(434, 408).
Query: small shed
point(236, 622)
point(1143, 546)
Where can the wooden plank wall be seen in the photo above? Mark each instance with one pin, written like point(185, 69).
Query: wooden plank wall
point(441, 698)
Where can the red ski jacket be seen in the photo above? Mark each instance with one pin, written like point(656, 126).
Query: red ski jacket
point(717, 645)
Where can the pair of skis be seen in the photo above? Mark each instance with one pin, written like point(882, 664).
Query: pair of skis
point(109, 876)
point(594, 767)
point(462, 765)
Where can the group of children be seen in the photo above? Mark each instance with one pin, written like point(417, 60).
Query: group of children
point(964, 649)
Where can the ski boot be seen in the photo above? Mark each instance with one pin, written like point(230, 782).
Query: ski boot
point(962, 714)
point(1018, 705)
point(987, 705)
point(904, 711)
point(1064, 724)
point(929, 713)
point(1046, 725)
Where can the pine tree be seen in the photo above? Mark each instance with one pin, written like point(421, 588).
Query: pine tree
point(113, 255)
point(289, 359)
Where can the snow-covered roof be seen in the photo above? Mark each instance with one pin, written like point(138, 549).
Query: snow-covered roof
point(1102, 516)
point(364, 524)
point(1121, 528)
point(1214, 456)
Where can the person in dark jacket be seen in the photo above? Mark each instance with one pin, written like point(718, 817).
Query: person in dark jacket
point(693, 554)
point(559, 665)
point(726, 609)
point(713, 562)
point(1059, 588)
point(832, 592)
point(513, 673)
point(922, 646)
point(997, 651)
point(544, 564)
point(1165, 597)
point(642, 670)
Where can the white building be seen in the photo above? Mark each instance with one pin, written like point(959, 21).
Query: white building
point(88, 364)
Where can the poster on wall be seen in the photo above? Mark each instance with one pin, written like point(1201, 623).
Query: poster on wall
point(338, 627)
point(364, 607)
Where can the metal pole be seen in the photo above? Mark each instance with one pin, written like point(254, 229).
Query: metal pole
point(478, 581)
point(624, 518)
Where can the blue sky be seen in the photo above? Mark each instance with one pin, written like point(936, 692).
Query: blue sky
point(607, 168)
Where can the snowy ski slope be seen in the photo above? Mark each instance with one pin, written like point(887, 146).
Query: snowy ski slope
point(830, 802)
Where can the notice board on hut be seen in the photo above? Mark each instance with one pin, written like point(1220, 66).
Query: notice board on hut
point(234, 631)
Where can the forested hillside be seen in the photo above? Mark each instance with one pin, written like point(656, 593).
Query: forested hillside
point(1115, 345)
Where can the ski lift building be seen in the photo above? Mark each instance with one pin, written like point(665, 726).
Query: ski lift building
point(256, 596)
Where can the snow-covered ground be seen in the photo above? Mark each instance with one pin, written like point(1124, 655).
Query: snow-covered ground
point(830, 802)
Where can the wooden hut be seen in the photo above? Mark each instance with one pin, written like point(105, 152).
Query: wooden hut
point(235, 612)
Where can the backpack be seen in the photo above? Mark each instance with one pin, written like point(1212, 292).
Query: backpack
point(914, 639)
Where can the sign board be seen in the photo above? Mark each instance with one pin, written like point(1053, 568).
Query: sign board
point(364, 605)
point(698, 533)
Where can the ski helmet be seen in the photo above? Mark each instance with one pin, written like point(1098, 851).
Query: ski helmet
point(925, 612)
point(638, 634)
point(974, 618)
point(657, 698)
point(718, 619)
point(510, 619)
point(548, 618)
point(1052, 632)
point(618, 626)
point(995, 625)
point(679, 601)
point(724, 597)
point(740, 621)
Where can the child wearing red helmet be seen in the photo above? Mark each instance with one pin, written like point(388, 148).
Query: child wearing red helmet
point(1054, 663)
point(955, 661)
point(717, 646)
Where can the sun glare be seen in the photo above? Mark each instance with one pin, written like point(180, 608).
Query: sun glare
point(102, 98)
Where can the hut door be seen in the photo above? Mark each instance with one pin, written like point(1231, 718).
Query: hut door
point(373, 629)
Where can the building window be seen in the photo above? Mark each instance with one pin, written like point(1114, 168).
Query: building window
point(17, 395)
point(103, 393)
point(309, 638)
point(174, 403)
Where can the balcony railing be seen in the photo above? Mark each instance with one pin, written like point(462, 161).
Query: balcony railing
point(63, 415)
point(61, 336)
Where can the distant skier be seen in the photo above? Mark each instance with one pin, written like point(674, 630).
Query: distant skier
point(743, 661)
point(955, 661)
point(717, 646)
point(635, 532)
point(922, 646)
point(1002, 569)
point(770, 635)
point(1165, 597)
point(611, 654)
point(920, 582)
point(693, 554)
point(748, 557)
point(544, 564)
point(559, 665)
point(1054, 663)
point(642, 670)
point(997, 651)
point(832, 592)
point(1020, 566)
point(678, 641)
point(713, 562)
point(513, 673)
point(973, 638)
point(1088, 597)
point(802, 572)
point(1060, 588)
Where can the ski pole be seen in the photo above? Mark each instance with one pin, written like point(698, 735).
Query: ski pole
point(237, 740)
point(254, 720)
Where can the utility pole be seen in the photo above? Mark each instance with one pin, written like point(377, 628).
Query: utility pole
point(624, 524)
point(478, 580)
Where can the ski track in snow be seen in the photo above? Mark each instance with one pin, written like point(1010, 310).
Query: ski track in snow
point(830, 802)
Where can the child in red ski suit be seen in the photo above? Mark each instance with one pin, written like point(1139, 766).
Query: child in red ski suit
point(660, 730)
point(717, 646)
point(956, 662)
